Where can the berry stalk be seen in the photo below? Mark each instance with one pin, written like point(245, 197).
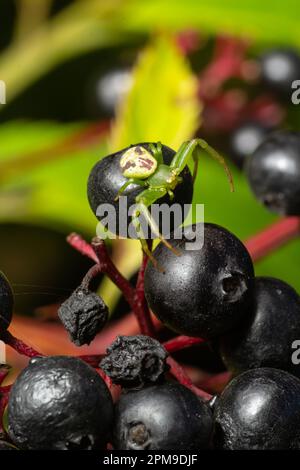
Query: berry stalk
point(18, 345)
point(273, 237)
point(134, 297)
point(4, 395)
point(179, 373)
point(181, 342)
point(142, 311)
point(83, 247)
point(97, 252)
point(4, 370)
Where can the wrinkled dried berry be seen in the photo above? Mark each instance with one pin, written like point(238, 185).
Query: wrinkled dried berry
point(83, 315)
point(133, 361)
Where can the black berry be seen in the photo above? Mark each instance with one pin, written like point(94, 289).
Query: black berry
point(259, 410)
point(6, 302)
point(273, 172)
point(162, 417)
point(279, 68)
point(245, 139)
point(83, 315)
point(106, 179)
point(266, 336)
point(59, 403)
point(134, 361)
point(204, 291)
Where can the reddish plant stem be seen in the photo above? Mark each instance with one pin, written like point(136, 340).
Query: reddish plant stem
point(142, 311)
point(79, 244)
point(134, 297)
point(4, 390)
point(181, 342)
point(106, 379)
point(92, 359)
point(179, 373)
point(229, 55)
point(4, 370)
point(90, 275)
point(273, 237)
point(18, 345)
point(107, 267)
point(4, 395)
point(216, 382)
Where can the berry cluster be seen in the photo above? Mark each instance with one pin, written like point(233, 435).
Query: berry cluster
point(128, 398)
point(136, 396)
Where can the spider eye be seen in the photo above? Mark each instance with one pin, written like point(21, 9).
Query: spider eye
point(137, 162)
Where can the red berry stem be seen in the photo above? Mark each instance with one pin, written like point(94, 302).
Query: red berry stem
point(4, 370)
point(4, 395)
point(97, 251)
point(108, 267)
point(179, 373)
point(79, 244)
point(143, 314)
point(92, 359)
point(134, 297)
point(181, 342)
point(229, 56)
point(106, 379)
point(18, 345)
point(273, 237)
point(90, 275)
point(216, 382)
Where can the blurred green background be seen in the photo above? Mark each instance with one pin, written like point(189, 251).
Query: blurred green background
point(86, 77)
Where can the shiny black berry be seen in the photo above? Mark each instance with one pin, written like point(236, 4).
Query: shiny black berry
point(83, 315)
point(245, 139)
point(279, 68)
point(59, 403)
point(273, 172)
point(265, 337)
point(259, 410)
point(106, 179)
point(6, 302)
point(134, 361)
point(206, 290)
point(162, 417)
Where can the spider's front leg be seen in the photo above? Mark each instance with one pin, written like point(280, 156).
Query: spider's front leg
point(144, 201)
point(192, 149)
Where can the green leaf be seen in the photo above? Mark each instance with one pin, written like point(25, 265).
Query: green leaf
point(53, 190)
point(268, 20)
point(162, 104)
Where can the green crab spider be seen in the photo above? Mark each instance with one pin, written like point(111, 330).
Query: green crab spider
point(146, 168)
